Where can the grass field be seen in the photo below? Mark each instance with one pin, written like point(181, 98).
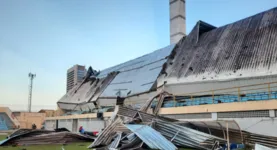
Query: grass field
point(2, 137)
point(74, 146)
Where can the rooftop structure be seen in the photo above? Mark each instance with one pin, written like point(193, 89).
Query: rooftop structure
point(245, 49)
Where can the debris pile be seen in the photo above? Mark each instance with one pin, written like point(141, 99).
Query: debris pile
point(129, 128)
point(42, 137)
point(135, 129)
point(184, 136)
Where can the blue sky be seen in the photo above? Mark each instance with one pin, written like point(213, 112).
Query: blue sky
point(47, 37)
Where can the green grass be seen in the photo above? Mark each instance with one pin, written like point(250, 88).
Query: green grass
point(74, 146)
point(2, 137)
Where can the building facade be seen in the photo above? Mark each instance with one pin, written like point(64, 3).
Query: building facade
point(74, 75)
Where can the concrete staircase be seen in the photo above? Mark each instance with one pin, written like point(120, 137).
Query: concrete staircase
point(3, 125)
point(7, 119)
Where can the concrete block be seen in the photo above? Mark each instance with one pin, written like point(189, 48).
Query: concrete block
point(272, 113)
point(214, 116)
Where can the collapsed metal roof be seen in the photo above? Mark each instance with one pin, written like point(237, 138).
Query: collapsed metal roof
point(85, 92)
point(246, 48)
point(132, 77)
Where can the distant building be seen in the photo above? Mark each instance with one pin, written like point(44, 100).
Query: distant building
point(75, 74)
point(27, 119)
point(48, 112)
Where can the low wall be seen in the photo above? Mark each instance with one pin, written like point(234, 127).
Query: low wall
point(90, 122)
point(26, 119)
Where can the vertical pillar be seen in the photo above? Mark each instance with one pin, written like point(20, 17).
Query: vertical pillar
point(177, 20)
point(214, 116)
point(272, 113)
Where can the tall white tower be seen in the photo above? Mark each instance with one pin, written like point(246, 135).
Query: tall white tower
point(31, 76)
point(177, 20)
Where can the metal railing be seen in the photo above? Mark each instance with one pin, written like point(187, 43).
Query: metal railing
point(255, 92)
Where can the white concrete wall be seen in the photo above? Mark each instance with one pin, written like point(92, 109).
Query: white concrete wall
point(65, 123)
point(106, 102)
point(90, 124)
point(139, 100)
point(266, 126)
point(258, 125)
point(50, 124)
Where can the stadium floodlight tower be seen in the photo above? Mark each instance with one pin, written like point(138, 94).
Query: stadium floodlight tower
point(31, 76)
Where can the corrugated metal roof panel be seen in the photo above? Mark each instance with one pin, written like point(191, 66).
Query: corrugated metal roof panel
point(139, 62)
point(246, 48)
point(151, 137)
point(139, 77)
point(133, 77)
point(85, 92)
point(185, 136)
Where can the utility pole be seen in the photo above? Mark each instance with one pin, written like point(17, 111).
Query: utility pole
point(31, 76)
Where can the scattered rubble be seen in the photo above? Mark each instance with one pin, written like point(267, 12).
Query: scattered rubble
point(136, 129)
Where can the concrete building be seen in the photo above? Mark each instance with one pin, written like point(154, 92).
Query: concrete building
point(214, 73)
point(48, 112)
point(74, 75)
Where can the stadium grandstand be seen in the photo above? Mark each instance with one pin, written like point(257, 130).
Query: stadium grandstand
point(213, 73)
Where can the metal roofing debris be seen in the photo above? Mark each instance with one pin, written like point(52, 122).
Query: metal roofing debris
point(196, 134)
point(36, 137)
point(186, 137)
point(135, 143)
point(106, 136)
point(116, 141)
point(252, 139)
point(245, 48)
point(151, 137)
point(145, 117)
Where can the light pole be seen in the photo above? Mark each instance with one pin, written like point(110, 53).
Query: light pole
point(31, 76)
